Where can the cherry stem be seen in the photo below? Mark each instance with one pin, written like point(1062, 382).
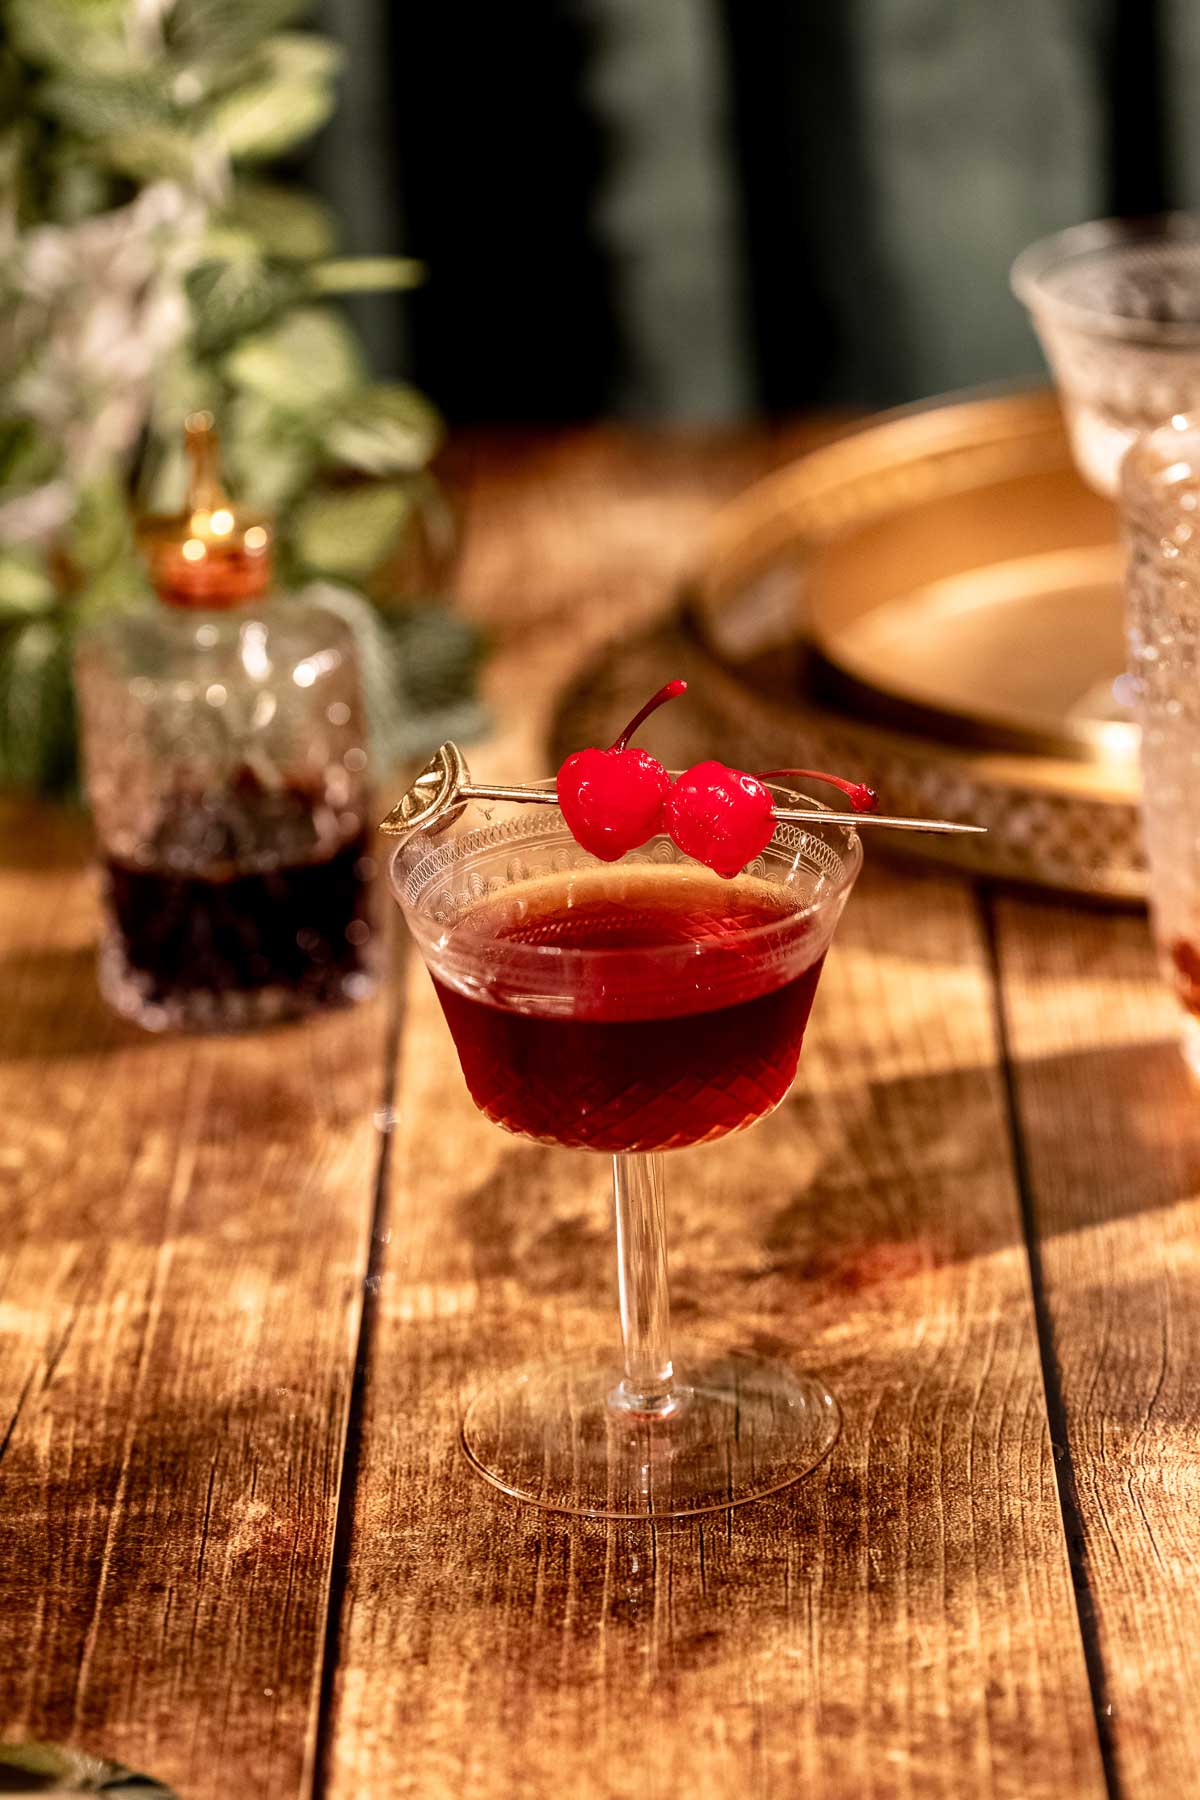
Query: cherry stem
point(861, 797)
point(671, 691)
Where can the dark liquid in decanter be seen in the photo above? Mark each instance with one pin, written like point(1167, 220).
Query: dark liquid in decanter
point(256, 891)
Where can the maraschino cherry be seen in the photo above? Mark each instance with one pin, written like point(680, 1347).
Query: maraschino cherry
point(612, 799)
point(615, 799)
point(861, 797)
point(724, 817)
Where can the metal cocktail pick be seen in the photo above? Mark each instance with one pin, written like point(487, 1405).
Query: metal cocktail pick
point(441, 791)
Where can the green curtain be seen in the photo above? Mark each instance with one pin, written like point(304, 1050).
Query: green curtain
point(703, 209)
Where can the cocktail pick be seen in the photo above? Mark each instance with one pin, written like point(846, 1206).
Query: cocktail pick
point(440, 793)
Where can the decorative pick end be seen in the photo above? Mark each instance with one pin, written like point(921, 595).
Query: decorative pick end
point(434, 797)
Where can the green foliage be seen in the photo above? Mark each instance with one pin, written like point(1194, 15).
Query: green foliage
point(347, 533)
point(26, 587)
point(103, 106)
point(26, 458)
point(204, 30)
point(158, 152)
point(291, 97)
point(54, 1769)
point(37, 707)
point(134, 187)
point(271, 456)
point(292, 226)
point(101, 535)
point(237, 295)
point(388, 430)
point(366, 274)
point(87, 35)
point(305, 362)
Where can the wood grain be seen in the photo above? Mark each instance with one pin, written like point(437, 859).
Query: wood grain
point(183, 1235)
point(1110, 1124)
point(900, 1624)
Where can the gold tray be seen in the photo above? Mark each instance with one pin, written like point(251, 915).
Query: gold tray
point(935, 602)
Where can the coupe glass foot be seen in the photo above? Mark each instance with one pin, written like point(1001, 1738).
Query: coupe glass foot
point(546, 1433)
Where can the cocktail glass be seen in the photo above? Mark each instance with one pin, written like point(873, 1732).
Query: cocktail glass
point(631, 1052)
point(1160, 493)
point(1116, 304)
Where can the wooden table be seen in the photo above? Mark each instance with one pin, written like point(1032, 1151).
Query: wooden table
point(246, 1284)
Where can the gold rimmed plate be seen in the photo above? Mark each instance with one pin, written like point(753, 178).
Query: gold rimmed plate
point(935, 600)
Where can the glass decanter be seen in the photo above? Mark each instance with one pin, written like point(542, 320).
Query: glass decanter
point(225, 750)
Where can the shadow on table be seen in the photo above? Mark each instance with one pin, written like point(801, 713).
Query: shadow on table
point(53, 1007)
point(1103, 1134)
point(845, 1196)
point(1108, 1132)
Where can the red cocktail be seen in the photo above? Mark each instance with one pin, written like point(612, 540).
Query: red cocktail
point(659, 1050)
point(630, 1006)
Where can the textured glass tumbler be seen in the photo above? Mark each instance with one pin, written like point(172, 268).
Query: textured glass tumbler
point(630, 1052)
point(228, 777)
point(1116, 304)
point(1161, 514)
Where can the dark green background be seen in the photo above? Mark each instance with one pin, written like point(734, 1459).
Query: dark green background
point(708, 209)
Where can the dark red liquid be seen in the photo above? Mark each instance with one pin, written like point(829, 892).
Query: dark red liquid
point(1186, 960)
point(681, 1030)
point(248, 895)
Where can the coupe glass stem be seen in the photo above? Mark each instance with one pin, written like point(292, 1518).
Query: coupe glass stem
point(648, 1384)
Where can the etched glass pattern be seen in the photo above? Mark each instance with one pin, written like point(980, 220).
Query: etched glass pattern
point(1116, 305)
point(1161, 493)
point(227, 773)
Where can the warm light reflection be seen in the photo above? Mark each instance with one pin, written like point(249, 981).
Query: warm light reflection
point(193, 550)
point(255, 659)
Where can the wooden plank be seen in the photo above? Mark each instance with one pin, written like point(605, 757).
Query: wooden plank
point(901, 1623)
point(1111, 1130)
point(183, 1235)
